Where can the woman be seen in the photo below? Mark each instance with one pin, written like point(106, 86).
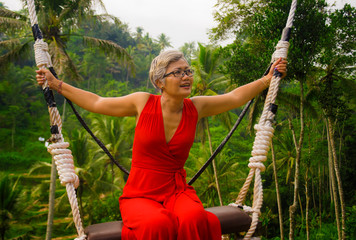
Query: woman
point(157, 203)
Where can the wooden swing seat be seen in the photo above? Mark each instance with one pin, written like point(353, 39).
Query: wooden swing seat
point(232, 220)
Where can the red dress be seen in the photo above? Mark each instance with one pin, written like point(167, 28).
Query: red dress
point(157, 203)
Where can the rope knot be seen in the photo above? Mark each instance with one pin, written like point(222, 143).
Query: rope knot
point(261, 145)
point(42, 56)
point(64, 161)
point(281, 50)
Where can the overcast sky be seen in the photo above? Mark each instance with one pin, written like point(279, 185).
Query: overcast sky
point(182, 21)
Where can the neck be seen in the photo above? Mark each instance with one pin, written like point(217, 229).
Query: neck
point(171, 104)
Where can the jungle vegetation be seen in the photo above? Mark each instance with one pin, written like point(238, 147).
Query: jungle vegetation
point(310, 178)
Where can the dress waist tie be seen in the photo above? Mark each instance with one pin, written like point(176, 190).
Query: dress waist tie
point(180, 185)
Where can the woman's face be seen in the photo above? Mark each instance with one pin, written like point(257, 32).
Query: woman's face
point(179, 79)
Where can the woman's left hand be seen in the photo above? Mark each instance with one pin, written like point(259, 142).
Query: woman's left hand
point(281, 66)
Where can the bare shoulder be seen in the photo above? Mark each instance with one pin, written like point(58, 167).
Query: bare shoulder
point(212, 105)
point(140, 99)
point(199, 103)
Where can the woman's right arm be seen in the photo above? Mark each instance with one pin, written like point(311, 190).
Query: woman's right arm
point(129, 105)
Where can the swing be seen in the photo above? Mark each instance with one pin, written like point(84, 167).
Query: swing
point(234, 218)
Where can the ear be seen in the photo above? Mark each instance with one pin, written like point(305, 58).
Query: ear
point(159, 84)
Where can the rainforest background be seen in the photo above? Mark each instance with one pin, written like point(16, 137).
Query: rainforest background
point(309, 182)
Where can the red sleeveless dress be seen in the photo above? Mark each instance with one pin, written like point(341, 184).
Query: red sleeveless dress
point(157, 203)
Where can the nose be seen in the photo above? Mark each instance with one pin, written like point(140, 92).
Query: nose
point(185, 76)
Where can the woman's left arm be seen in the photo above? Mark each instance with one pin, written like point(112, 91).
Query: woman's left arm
point(213, 105)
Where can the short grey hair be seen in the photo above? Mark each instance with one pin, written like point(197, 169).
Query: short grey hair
point(160, 64)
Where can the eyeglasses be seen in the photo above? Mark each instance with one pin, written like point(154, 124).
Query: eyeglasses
point(181, 73)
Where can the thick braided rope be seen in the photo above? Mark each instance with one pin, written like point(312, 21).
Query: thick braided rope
point(264, 134)
point(62, 156)
point(42, 56)
point(64, 162)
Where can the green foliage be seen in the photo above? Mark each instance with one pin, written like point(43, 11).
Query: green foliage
point(9, 195)
point(350, 222)
point(321, 56)
point(107, 209)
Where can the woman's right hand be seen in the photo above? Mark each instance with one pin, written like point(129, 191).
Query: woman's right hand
point(42, 75)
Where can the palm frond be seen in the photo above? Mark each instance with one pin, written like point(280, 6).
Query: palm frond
point(79, 10)
point(10, 23)
point(112, 49)
point(106, 17)
point(292, 101)
point(220, 81)
point(40, 166)
point(10, 44)
point(255, 111)
point(20, 52)
point(225, 118)
point(348, 86)
point(11, 14)
point(210, 92)
point(70, 11)
point(62, 63)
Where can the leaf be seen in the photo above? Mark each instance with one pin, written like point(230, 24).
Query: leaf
point(112, 49)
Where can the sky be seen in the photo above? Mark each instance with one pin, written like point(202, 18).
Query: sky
point(182, 21)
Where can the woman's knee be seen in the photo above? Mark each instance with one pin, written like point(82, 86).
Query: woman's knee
point(160, 224)
point(195, 216)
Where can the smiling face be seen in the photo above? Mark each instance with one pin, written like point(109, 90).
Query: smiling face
point(177, 86)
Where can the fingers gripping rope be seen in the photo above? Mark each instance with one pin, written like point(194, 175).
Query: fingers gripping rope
point(64, 161)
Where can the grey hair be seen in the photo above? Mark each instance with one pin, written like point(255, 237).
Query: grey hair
point(160, 63)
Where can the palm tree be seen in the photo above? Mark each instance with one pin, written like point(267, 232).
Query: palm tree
point(59, 21)
point(229, 169)
point(188, 49)
point(118, 134)
point(163, 41)
point(94, 180)
point(138, 34)
point(206, 78)
point(332, 90)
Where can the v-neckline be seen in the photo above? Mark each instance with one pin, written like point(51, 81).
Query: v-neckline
point(178, 127)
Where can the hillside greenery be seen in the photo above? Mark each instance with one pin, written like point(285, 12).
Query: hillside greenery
point(309, 188)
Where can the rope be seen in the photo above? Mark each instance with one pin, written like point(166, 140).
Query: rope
point(264, 134)
point(62, 156)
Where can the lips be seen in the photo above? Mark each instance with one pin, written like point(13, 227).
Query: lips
point(185, 85)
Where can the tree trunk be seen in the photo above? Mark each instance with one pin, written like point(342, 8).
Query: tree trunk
point(333, 184)
point(319, 173)
point(214, 164)
point(338, 177)
point(294, 206)
point(52, 191)
point(301, 209)
point(330, 164)
point(307, 205)
point(127, 76)
point(279, 204)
